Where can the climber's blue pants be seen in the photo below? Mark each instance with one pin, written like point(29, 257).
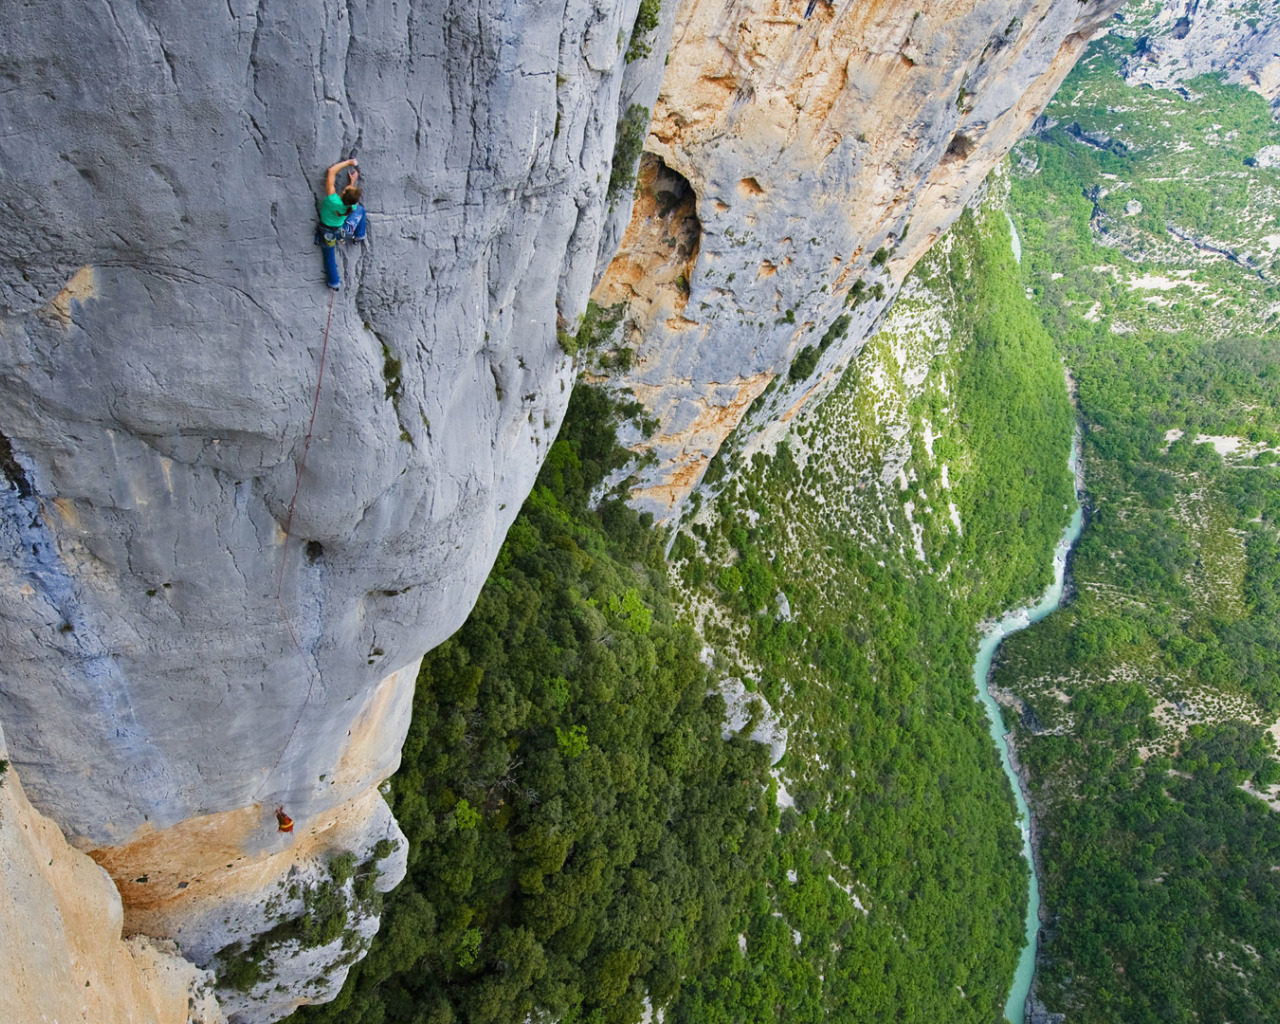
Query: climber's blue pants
point(353, 230)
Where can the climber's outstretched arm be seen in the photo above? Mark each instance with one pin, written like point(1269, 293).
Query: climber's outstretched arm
point(331, 180)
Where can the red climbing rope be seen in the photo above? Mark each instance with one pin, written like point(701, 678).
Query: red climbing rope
point(302, 465)
point(284, 555)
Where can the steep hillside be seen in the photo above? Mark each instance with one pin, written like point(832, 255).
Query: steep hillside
point(842, 572)
point(1239, 39)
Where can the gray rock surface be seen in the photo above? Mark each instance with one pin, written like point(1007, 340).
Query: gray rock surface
point(1185, 39)
point(744, 708)
point(154, 415)
point(1037, 1013)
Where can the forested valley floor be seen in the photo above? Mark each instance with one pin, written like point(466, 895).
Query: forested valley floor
point(1146, 710)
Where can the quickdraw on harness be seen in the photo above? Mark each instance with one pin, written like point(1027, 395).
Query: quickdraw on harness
point(345, 232)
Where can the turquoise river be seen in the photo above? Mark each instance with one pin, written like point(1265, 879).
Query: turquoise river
point(1021, 618)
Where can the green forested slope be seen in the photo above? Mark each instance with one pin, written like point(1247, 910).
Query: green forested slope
point(1145, 702)
point(895, 890)
point(580, 834)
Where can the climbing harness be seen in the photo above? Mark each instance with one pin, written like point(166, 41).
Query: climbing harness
point(312, 673)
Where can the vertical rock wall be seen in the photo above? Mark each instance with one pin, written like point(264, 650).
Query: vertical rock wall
point(162, 327)
point(826, 155)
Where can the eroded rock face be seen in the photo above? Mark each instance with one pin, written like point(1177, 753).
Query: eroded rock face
point(175, 668)
point(1180, 41)
point(826, 155)
point(60, 928)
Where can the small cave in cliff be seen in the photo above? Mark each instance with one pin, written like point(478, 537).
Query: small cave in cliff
point(653, 271)
point(960, 148)
point(674, 202)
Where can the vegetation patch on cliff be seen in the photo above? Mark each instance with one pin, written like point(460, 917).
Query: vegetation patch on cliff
point(328, 908)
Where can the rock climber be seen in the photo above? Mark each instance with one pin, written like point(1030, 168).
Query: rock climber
point(342, 218)
point(284, 823)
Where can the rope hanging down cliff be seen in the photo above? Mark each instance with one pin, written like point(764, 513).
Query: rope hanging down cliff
point(342, 218)
point(284, 554)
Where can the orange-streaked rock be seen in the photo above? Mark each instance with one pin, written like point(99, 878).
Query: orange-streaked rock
point(823, 153)
point(60, 928)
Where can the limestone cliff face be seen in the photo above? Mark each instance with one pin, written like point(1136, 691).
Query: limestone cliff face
point(821, 157)
point(162, 317)
point(1179, 41)
point(60, 928)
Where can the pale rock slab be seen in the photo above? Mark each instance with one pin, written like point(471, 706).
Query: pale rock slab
point(60, 929)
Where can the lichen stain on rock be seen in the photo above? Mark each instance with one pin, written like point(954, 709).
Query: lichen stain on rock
point(659, 250)
point(67, 512)
point(200, 858)
point(82, 287)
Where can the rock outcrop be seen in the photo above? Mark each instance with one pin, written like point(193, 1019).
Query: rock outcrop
point(60, 928)
point(821, 156)
point(177, 667)
point(1180, 41)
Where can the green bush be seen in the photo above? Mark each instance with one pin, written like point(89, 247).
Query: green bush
point(646, 22)
point(805, 362)
point(632, 130)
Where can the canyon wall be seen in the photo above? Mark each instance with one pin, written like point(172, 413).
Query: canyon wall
point(822, 155)
point(1176, 42)
point(178, 667)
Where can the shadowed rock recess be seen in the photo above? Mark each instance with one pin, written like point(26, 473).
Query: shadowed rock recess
point(162, 320)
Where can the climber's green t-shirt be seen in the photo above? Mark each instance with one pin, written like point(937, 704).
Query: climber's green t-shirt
point(333, 211)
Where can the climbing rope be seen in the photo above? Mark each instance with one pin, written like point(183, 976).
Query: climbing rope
point(284, 555)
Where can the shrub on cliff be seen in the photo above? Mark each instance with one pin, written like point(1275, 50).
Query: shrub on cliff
point(632, 130)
